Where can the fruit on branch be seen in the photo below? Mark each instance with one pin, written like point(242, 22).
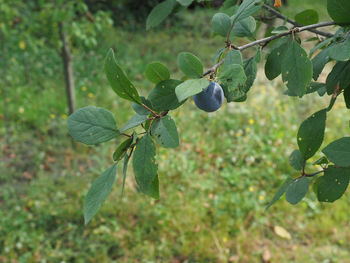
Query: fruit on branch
point(211, 98)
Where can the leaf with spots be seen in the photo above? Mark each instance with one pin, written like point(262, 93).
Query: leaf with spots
point(92, 125)
point(165, 132)
point(296, 68)
point(333, 184)
point(119, 81)
point(274, 59)
point(163, 96)
point(311, 133)
point(338, 152)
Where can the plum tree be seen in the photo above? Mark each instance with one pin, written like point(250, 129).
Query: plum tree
point(211, 98)
point(286, 57)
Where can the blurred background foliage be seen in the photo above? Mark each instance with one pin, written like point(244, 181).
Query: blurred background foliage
point(214, 187)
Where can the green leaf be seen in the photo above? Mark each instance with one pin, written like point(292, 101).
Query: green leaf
point(347, 97)
point(338, 152)
point(190, 65)
point(247, 8)
point(92, 125)
point(190, 87)
point(307, 17)
point(163, 96)
point(141, 110)
point(118, 80)
point(296, 68)
point(340, 51)
point(157, 72)
point(125, 168)
point(339, 11)
point(145, 167)
point(221, 24)
point(98, 192)
point(233, 79)
point(296, 160)
point(233, 57)
point(153, 190)
point(135, 120)
point(296, 190)
point(322, 160)
point(250, 70)
point(340, 74)
point(280, 192)
point(159, 13)
point(245, 27)
point(319, 62)
point(280, 29)
point(320, 45)
point(318, 87)
point(121, 150)
point(311, 133)
point(165, 132)
point(185, 2)
point(275, 58)
point(333, 184)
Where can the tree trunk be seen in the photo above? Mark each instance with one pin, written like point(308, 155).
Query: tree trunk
point(68, 69)
point(5, 96)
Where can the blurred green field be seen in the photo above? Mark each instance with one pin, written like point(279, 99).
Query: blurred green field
point(214, 187)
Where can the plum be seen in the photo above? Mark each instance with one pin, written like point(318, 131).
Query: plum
point(211, 98)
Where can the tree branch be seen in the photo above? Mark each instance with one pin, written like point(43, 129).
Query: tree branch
point(294, 23)
point(269, 39)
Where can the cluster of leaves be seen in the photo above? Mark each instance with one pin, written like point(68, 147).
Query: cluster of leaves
point(92, 125)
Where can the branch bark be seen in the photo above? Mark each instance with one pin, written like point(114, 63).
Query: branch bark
point(66, 56)
point(269, 39)
point(294, 23)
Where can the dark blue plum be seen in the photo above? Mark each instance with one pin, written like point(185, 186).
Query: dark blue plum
point(211, 98)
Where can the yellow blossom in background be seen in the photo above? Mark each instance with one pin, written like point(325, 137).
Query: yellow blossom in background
point(251, 189)
point(247, 129)
point(224, 239)
point(278, 3)
point(83, 88)
point(91, 95)
point(22, 45)
point(164, 156)
point(261, 197)
point(251, 121)
point(64, 116)
point(21, 110)
point(52, 116)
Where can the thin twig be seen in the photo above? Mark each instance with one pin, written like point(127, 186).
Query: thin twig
point(294, 23)
point(269, 39)
point(228, 41)
point(148, 108)
point(295, 30)
point(315, 173)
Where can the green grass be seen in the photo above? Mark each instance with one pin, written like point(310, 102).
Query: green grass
point(214, 187)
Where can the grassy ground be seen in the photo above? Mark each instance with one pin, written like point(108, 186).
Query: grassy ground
point(214, 187)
